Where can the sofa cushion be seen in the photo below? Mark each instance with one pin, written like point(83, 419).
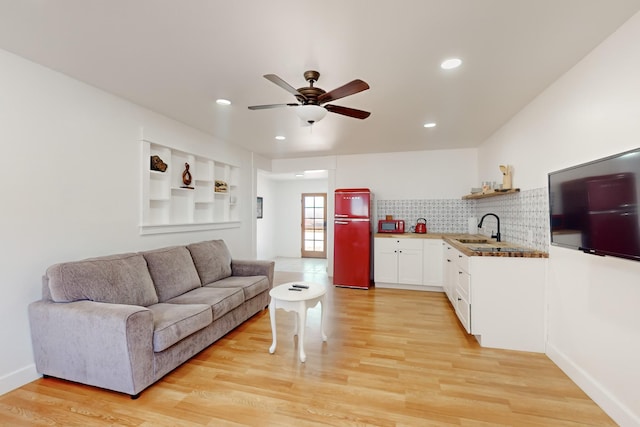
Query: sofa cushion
point(119, 279)
point(212, 260)
point(173, 322)
point(221, 300)
point(172, 271)
point(251, 285)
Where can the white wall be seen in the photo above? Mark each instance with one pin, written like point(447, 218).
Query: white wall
point(70, 173)
point(266, 232)
point(286, 202)
point(438, 174)
point(303, 164)
point(593, 303)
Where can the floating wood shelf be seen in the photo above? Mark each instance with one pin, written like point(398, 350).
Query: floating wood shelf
point(492, 194)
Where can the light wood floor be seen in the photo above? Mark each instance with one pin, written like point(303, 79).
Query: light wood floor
point(393, 358)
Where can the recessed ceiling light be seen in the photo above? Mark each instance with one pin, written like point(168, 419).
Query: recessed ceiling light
point(281, 138)
point(223, 101)
point(450, 63)
point(430, 125)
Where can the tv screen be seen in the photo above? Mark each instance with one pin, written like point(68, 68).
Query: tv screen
point(594, 206)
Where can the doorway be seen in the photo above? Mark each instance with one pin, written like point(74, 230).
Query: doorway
point(314, 225)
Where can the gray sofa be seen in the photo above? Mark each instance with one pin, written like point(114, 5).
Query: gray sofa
point(122, 322)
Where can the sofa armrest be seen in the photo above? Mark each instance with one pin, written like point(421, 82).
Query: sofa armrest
point(253, 268)
point(99, 344)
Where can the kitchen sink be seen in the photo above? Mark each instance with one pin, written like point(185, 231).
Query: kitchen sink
point(472, 240)
point(500, 249)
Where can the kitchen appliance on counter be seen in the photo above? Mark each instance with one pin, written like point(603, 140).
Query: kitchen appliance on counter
point(421, 226)
point(352, 238)
point(390, 226)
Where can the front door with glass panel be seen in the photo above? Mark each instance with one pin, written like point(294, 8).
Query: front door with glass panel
point(314, 225)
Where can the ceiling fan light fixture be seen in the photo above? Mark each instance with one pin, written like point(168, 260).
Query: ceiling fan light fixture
point(311, 113)
point(310, 106)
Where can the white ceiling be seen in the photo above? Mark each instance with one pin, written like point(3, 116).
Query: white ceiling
point(178, 57)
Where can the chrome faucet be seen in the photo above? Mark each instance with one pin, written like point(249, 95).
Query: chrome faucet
point(493, 236)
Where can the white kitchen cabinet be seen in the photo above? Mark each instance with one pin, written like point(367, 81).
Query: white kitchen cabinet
point(413, 263)
point(457, 283)
point(410, 262)
point(463, 311)
point(449, 271)
point(500, 300)
point(463, 297)
point(397, 261)
point(385, 260)
point(432, 262)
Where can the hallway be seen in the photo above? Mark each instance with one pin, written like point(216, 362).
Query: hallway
point(308, 266)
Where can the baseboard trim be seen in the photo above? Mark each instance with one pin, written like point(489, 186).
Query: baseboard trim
point(18, 378)
point(619, 412)
point(427, 288)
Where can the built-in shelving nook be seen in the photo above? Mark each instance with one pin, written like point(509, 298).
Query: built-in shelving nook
point(209, 202)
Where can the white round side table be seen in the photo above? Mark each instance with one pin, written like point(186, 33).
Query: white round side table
point(298, 297)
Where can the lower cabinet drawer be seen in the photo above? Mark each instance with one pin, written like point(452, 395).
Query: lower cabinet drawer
point(463, 284)
point(463, 311)
point(462, 261)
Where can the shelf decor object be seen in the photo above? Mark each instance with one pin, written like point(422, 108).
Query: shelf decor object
point(221, 186)
point(157, 164)
point(178, 200)
point(186, 177)
point(507, 178)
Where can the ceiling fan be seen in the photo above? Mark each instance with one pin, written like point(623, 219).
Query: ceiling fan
point(311, 99)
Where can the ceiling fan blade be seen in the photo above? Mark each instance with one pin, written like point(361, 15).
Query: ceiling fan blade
point(284, 85)
point(345, 111)
point(264, 107)
point(350, 88)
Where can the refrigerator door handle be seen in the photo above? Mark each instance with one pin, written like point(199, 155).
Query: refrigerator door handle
point(342, 222)
point(341, 215)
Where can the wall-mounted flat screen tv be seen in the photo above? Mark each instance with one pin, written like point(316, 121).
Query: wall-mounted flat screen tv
point(594, 206)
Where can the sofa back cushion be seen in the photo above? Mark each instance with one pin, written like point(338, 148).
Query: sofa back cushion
point(212, 259)
point(172, 271)
point(118, 279)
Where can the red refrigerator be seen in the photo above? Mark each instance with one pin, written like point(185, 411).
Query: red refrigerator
point(352, 238)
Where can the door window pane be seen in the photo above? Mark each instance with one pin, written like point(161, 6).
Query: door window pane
point(314, 225)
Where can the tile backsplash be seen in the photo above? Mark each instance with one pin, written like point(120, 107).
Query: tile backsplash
point(524, 216)
point(442, 215)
